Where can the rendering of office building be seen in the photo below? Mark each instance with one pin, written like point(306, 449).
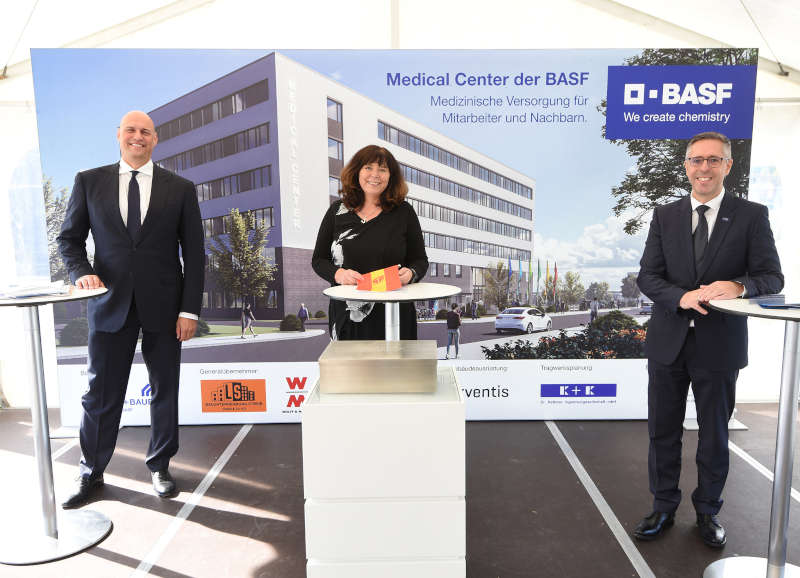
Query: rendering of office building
point(272, 138)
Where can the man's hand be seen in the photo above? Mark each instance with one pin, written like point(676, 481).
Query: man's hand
point(691, 300)
point(406, 275)
point(89, 282)
point(185, 328)
point(347, 277)
point(720, 290)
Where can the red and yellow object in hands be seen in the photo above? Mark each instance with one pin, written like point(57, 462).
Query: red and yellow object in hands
point(381, 280)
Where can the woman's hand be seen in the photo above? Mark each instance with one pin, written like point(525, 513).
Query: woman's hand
point(347, 277)
point(406, 275)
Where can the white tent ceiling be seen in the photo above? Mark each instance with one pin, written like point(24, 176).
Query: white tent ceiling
point(739, 23)
point(770, 25)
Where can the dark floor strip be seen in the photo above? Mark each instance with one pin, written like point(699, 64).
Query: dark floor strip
point(528, 514)
point(620, 535)
point(615, 455)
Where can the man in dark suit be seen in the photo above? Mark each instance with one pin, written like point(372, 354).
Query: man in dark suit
point(139, 215)
point(709, 245)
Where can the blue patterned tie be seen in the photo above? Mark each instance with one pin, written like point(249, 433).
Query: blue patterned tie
point(134, 210)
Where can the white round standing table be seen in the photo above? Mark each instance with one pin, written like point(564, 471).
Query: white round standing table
point(392, 299)
point(65, 532)
point(774, 566)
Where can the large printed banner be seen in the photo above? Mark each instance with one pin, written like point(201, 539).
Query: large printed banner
point(533, 173)
point(274, 392)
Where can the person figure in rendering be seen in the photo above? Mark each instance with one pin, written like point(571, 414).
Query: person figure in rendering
point(149, 254)
point(247, 319)
point(302, 315)
point(453, 329)
point(474, 310)
point(372, 227)
point(708, 245)
point(594, 308)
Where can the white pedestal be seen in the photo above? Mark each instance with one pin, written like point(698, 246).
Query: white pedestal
point(384, 482)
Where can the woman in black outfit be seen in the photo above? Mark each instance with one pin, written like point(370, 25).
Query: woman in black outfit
point(247, 319)
point(372, 227)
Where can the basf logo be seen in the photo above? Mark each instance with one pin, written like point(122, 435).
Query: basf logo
point(295, 394)
point(671, 93)
point(234, 395)
point(677, 102)
point(144, 398)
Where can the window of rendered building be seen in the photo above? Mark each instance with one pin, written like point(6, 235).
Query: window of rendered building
point(334, 110)
point(335, 150)
point(272, 299)
point(334, 185)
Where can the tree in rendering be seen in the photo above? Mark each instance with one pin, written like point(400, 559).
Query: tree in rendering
point(630, 290)
point(497, 283)
point(55, 207)
point(239, 265)
point(572, 290)
point(598, 291)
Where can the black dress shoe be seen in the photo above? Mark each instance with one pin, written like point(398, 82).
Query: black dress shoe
point(84, 486)
point(711, 531)
point(163, 484)
point(653, 525)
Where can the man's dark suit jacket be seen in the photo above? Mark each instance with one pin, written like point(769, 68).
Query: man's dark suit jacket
point(148, 269)
point(741, 248)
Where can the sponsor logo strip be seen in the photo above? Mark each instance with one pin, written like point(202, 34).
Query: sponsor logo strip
point(219, 395)
point(579, 390)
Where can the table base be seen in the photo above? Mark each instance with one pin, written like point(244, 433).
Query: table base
point(77, 531)
point(748, 567)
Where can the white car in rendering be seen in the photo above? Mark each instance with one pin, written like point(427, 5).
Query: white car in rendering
point(524, 319)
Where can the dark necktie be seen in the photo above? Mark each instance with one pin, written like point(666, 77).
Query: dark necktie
point(134, 210)
point(700, 235)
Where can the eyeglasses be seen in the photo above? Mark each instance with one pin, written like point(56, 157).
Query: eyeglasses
point(713, 162)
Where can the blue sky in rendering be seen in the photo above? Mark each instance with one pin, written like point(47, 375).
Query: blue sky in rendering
point(82, 93)
point(573, 166)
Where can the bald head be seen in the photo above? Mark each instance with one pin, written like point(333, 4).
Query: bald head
point(137, 138)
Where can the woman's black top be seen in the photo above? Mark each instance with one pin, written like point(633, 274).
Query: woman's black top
point(247, 317)
point(453, 320)
point(392, 238)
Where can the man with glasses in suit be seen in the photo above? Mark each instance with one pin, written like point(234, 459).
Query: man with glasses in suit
point(708, 245)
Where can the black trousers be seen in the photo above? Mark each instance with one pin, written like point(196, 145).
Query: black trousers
point(110, 358)
point(714, 395)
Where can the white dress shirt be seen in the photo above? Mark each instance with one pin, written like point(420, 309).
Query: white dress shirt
point(145, 180)
point(711, 218)
point(711, 214)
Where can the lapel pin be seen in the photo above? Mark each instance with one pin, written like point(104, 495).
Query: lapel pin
point(726, 219)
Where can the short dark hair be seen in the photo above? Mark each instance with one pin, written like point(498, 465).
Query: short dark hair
point(396, 190)
point(453, 305)
point(726, 142)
